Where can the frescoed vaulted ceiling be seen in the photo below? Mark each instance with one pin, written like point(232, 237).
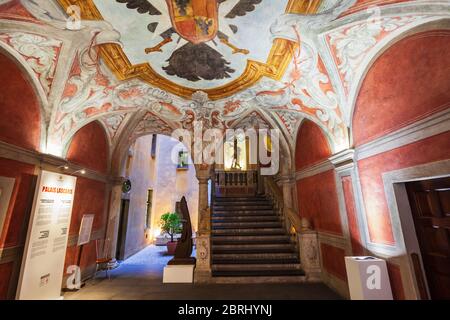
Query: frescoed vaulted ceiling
point(153, 66)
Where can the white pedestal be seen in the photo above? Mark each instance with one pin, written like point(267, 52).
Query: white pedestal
point(368, 278)
point(179, 274)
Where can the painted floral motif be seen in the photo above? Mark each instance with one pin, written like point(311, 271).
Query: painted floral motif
point(113, 123)
point(41, 54)
point(351, 44)
point(290, 120)
point(89, 92)
point(306, 88)
point(150, 123)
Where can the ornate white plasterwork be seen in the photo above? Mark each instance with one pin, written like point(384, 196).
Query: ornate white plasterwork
point(152, 124)
point(40, 53)
point(291, 121)
point(251, 121)
point(113, 123)
point(352, 43)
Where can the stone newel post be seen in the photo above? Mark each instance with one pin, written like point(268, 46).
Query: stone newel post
point(309, 252)
point(203, 245)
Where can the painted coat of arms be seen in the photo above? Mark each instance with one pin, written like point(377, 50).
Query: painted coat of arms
point(201, 26)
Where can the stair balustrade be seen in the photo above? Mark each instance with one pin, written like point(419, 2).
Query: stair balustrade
point(308, 240)
point(273, 192)
point(235, 182)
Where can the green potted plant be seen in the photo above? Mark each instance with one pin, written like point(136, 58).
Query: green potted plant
point(171, 224)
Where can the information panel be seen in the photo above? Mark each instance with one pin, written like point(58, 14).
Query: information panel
point(85, 229)
point(45, 249)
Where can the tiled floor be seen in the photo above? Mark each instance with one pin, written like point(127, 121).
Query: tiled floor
point(140, 278)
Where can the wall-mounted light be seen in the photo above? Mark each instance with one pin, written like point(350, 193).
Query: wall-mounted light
point(64, 167)
point(81, 171)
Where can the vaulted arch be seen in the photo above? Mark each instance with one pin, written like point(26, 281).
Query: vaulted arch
point(418, 86)
point(89, 147)
point(22, 122)
point(382, 58)
point(312, 145)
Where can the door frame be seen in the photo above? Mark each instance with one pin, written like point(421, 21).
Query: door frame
point(402, 220)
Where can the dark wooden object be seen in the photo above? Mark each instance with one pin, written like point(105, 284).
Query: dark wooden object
point(184, 247)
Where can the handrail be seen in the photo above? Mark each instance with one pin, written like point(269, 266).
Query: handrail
point(276, 195)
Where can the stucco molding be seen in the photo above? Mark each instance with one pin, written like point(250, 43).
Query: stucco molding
point(313, 170)
point(48, 162)
point(422, 129)
point(331, 239)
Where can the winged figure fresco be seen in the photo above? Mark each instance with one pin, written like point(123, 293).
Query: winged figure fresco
point(200, 25)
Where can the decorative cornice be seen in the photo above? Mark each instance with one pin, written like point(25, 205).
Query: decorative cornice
point(430, 126)
point(314, 170)
point(343, 160)
point(47, 162)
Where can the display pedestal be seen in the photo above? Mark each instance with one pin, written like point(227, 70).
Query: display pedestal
point(179, 274)
point(368, 278)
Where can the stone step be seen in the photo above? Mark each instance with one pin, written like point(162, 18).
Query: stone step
point(243, 203)
point(247, 225)
point(231, 278)
point(268, 239)
point(252, 276)
point(256, 267)
point(249, 232)
point(234, 213)
point(242, 208)
point(254, 248)
point(217, 219)
point(255, 258)
point(235, 199)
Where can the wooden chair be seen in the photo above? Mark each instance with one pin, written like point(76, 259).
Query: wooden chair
point(103, 259)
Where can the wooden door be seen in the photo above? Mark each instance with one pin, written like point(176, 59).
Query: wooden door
point(430, 206)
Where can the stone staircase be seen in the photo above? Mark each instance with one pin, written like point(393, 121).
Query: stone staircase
point(248, 239)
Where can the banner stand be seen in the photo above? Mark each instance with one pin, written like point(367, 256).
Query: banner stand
point(44, 255)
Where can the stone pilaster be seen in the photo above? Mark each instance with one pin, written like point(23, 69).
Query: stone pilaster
point(203, 264)
point(203, 242)
point(310, 254)
point(287, 184)
point(114, 214)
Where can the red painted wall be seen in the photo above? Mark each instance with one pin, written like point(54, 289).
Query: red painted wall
point(312, 146)
point(20, 200)
point(371, 169)
point(333, 261)
point(410, 81)
point(318, 201)
point(395, 278)
point(90, 198)
point(20, 122)
point(352, 217)
point(6, 270)
point(14, 227)
point(89, 148)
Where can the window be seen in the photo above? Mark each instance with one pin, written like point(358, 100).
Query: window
point(148, 214)
point(183, 160)
point(154, 141)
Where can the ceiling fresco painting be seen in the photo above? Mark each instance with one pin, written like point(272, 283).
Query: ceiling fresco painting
point(144, 66)
point(200, 44)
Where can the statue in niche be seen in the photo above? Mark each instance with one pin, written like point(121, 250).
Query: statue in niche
point(236, 156)
point(183, 251)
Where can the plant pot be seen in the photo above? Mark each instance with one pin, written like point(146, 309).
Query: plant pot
point(171, 247)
